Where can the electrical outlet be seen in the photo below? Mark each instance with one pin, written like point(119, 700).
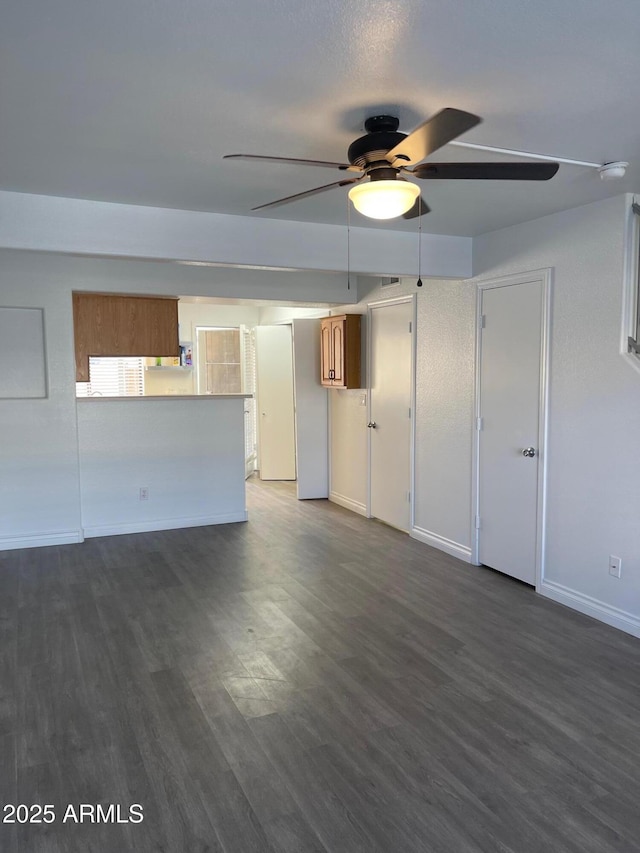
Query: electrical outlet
point(615, 566)
point(144, 493)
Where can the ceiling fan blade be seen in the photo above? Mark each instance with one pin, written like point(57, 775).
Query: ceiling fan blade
point(306, 193)
point(485, 171)
point(419, 208)
point(431, 135)
point(296, 161)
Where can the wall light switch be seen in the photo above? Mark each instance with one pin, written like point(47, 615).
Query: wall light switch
point(363, 399)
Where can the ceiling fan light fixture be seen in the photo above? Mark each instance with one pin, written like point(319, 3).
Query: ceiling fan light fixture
point(384, 199)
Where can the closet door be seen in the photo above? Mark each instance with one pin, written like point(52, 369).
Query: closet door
point(276, 416)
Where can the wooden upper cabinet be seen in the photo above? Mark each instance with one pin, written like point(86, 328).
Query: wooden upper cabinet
point(114, 325)
point(340, 351)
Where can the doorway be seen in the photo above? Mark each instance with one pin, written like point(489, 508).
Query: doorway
point(511, 406)
point(391, 383)
point(226, 364)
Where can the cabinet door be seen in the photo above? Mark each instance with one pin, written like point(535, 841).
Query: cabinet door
point(326, 352)
point(337, 346)
point(115, 325)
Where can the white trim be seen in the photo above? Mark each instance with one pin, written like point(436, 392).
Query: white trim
point(347, 503)
point(41, 540)
point(462, 552)
point(593, 607)
point(163, 524)
point(368, 369)
point(630, 287)
point(329, 445)
point(545, 278)
point(395, 300)
point(383, 303)
point(412, 428)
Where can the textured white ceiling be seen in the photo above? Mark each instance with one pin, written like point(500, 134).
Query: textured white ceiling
point(136, 102)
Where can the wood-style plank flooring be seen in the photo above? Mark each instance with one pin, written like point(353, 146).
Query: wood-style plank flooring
point(309, 682)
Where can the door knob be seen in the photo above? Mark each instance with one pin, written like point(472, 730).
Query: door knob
point(529, 452)
point(372, 424)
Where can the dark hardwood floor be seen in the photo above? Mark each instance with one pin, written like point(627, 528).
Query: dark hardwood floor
point(309, 681)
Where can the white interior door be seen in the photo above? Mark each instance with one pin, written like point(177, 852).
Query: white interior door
point(248, 341)
point(274, 386)
point(390, 409)
point(510, 375)
point(312, 441)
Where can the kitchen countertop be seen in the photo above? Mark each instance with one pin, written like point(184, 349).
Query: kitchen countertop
point(152, 397)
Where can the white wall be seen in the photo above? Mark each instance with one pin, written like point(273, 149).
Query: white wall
point(444, 411)
point(39, 491)
point(188, 453)
point(193, 314)
point(311, 411)
point(348, 459)
point(139, 276)
point(594, 411)
point(444, 415)
point(176, 381)
point(272, 315)
point(45, 223)
point(348, 448)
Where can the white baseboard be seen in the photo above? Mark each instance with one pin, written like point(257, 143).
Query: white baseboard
point(621, 619)
point(163, 524)
point(347, 503)
point(462, 552)
point(41, 540)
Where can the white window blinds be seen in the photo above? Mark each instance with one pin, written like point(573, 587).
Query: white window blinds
point(113, 377)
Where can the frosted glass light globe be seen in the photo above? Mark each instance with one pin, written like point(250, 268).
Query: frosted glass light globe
point(384, 199)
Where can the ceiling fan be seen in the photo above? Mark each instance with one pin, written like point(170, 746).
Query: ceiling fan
point(385, 156)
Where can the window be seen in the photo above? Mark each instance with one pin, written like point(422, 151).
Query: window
point(113, 377)
point(220, 361)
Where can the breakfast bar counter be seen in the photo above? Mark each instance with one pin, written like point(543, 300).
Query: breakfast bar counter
point(156, 463)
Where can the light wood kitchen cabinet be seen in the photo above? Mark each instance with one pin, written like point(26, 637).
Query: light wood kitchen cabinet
point(115, 325)
point(340, 351)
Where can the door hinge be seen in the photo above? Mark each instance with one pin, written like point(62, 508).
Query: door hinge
point(478, 424)
point(483, 321)
point(410, 325)
point(477, 522)
point(408, 497)
point(409, 411)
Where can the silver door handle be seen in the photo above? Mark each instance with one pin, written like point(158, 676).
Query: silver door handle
point(529, 452)
point(372, 424)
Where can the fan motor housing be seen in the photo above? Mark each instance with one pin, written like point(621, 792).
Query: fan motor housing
point(382, 135)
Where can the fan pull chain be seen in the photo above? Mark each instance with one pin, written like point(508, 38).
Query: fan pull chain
point(419, 281)
point(348, 244)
